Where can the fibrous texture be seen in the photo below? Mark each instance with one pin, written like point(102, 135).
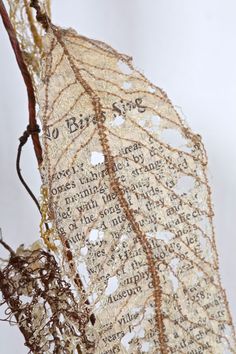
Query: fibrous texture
point(130, 205)
point(29, 32)
point(42, 303)
point(131, 265)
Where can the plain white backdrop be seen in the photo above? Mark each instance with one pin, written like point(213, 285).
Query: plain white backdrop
point(186, 47)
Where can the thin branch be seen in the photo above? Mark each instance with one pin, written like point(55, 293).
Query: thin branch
point(5, 245)
point(27, 79)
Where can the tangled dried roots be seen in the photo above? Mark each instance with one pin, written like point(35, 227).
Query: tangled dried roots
point(43, 304)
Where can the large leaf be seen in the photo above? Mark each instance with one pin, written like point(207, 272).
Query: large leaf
point(130, 205)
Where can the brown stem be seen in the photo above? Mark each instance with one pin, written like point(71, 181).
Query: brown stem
point(27, 79)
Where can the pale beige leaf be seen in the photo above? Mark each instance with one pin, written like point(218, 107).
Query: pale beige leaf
point(130, 205)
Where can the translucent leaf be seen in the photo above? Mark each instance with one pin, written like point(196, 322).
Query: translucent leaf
point(130, 202)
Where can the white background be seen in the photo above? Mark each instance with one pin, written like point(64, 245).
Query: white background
point(186, 47)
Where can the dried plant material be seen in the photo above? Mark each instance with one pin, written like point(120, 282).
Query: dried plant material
point(42, 303)
point(130, 202)
point(29, 33)
point(126, 209)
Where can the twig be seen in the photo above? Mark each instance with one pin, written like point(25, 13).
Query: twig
point(5, 245)
point(27, 79)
